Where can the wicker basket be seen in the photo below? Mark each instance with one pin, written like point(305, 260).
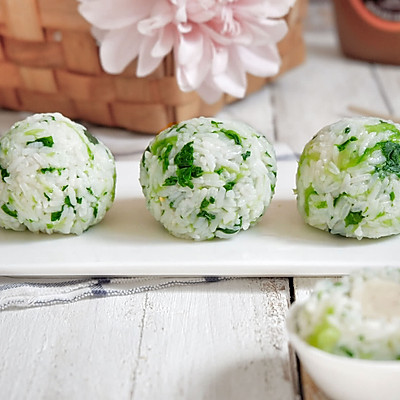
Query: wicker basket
point(49, 62)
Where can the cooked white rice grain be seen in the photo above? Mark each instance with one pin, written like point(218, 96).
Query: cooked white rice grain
point(55, 176)
point(348, 178)
point(204, 178)
point(357, 317)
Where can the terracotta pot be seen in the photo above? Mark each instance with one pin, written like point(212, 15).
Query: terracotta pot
point(365, 35)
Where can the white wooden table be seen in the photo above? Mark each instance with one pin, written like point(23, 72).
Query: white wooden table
point(225, 340)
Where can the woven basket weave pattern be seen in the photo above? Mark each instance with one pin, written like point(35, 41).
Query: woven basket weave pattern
point(49, 62)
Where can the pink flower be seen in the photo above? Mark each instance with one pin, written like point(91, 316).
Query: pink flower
point(214, 42)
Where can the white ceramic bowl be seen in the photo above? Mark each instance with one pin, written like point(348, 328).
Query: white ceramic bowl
point(343, 378)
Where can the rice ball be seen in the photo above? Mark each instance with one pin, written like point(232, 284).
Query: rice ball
point(348, 178)
point(204, 178)
point(55, 176)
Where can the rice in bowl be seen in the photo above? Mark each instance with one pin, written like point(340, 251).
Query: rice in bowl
point(348, 178)
point(204, 178)
point(356, 317)
point(55, 176)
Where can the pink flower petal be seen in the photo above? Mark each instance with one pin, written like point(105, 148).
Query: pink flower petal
point(146, 62)
point(119, 48)
point(164, 43)
point(115, 14)
point(233, 80)
point(190, 47)
point(260, 61)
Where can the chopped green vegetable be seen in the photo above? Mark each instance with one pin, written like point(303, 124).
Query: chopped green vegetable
point(47, 196)
point(186, 170)
point(229, 231)
point(383, 126)
point(46, 141)
point(51, 169)
point(67, 201)
point(185, 157)
point(160, 144)
point(11, 213)
point(204, 203)
point(90, 137)
point(353, 218)
point(196, 171)
point(347, 130)
point(246, 155)
point(164, 156)
point(342, 146)
point(325, 336)
point(307, 194)
point(232, 135)
point(229, 185)
point(216, 124)
point(4, 173)
point(206, 215)
point(55, 216)
point(336, 199)
point(171, 181)
point(185, 177)
point(392, 196)
point(391, 151)
point(95, 211)
point(183, 126)
point(321, 204)
point(346, 351)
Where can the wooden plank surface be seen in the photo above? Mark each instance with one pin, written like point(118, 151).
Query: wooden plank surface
point(224, 340)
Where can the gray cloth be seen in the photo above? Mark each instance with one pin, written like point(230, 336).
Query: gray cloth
point(19, 293)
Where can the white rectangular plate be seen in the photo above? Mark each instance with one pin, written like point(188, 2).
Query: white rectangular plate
point(130, 242)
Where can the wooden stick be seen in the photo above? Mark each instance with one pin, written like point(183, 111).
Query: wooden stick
point(371, 113)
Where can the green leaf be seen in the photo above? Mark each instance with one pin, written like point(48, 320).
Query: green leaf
point(159, 144)
point(171, 181)
point(336, 199)
point(55, 216)
point(246, 155)
point(90, 137)
point(185, 157)
point(204, 203)
point(321, 204)
point(229, 185)
point(11, 213)
point(342, 146)
point(216, 124)
point(46, 141)
point(164, 157)
point(185, 177)
point(307, 194)
point(391, 151)
point(206, 215)
point(67, 202)
point(4, 173)
point(353, 218)
point(383, 126)
point(232, 135)
point(51, 169)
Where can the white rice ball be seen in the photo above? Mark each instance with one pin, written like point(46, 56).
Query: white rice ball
point(55, 176)
point(357, 317)
point(204, 178)
point(348, 178)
